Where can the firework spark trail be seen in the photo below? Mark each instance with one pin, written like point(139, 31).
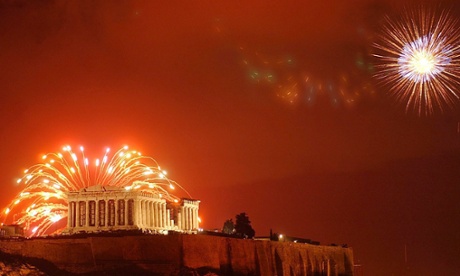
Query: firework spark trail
point(43, 200)
point(419, 59)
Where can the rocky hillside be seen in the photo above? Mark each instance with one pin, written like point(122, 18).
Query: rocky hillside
point(16, 266)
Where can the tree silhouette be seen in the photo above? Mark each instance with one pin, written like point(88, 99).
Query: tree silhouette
point(229, 227)
point(243, 226)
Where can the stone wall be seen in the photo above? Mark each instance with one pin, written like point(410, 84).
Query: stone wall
point(174, 254)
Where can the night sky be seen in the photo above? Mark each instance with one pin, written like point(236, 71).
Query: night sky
point(263, 107)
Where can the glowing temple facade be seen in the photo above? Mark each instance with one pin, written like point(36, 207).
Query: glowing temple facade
point(109, 208)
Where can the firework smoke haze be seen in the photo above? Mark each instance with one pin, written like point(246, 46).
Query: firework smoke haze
point(419, 59)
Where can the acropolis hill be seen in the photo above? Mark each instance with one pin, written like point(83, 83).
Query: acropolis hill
point(138, 226)
point(184, 254)
point(115, 230)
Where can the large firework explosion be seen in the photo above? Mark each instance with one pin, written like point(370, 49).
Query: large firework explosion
point(419, 59)
point(43, 200)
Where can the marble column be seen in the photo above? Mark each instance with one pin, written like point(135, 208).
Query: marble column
point(138, 220)
point(96, 214)
point(190, 218)
point(106, 206)
point(69, 215)
point(168, 219)
point(144, 215)
point(157, 214)
point(162, 216)
point(126, 212)
point(77, 213)
point(86, 224)
point(115, 211)
point(197, 223)
point(152, 211)
point(149, 214)
point(185, 219)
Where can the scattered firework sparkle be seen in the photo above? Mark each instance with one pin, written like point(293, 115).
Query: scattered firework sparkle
point(43, 200)
point(295, 85)
point(419, 59)
point(298, 81)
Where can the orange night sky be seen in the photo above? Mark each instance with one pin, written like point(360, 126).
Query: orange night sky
point(263, 107)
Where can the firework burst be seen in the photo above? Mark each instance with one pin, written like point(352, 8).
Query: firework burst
point(419, 59)
point(43, 200)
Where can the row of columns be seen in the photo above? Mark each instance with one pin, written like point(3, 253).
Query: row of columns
point(189, 217)
point(89, 214)
point(100, 213)
point(153, 214)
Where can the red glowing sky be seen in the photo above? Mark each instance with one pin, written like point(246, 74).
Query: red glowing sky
point(171, 81)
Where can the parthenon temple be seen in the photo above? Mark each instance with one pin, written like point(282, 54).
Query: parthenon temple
point(107, 208)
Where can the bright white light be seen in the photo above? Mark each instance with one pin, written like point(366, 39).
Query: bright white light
point(419, 59)
point(56, 218)
point(423, 59)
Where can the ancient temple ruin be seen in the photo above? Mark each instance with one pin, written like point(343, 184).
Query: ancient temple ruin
point(108, 208)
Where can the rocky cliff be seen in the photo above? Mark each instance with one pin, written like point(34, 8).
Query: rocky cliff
point(184, 254)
